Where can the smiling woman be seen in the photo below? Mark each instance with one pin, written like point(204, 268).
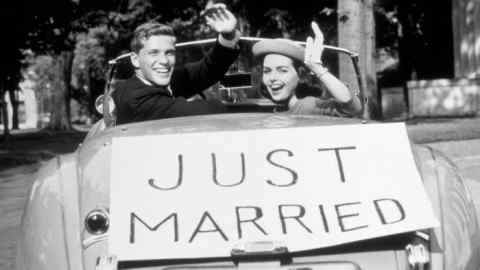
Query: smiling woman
point(285, 66)
point(280, 76)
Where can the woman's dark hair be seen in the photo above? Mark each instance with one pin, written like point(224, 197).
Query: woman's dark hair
point(308, 84)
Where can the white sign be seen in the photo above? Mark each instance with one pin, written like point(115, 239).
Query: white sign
point(201, 194)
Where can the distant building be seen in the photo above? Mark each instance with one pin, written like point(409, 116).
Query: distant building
point(439, 60)
point(27, 107)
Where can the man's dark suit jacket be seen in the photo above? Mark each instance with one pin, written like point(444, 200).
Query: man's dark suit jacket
point(136, 101)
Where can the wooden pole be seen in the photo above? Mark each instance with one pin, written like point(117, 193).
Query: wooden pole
point(466, 38)
point(3, 111)
point(356, 32)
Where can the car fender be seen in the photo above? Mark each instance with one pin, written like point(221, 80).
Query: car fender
point(454, 244)
point(50, 229)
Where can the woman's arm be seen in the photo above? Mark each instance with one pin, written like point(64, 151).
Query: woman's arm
point(339, 91)
point(348, 101)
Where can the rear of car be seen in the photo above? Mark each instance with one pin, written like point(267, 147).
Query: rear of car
point(72, 192)
point(67, 219)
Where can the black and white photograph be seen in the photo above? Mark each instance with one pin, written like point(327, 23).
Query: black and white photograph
point(240, 134)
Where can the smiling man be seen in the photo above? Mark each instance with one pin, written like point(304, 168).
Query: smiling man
point(158, 89)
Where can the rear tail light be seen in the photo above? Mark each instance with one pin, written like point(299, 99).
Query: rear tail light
point(97, 222)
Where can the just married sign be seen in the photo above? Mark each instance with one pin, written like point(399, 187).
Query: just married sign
point(199, 195)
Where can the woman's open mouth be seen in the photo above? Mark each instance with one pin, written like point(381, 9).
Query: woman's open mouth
point(276, 87)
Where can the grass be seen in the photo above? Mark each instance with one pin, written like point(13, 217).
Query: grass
point(30, 147)
point(429, 130)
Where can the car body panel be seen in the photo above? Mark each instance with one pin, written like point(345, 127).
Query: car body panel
point(50, 223)
point(59, 200)
point(458, 235)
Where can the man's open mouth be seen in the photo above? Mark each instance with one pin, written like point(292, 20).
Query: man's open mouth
point(162, 71)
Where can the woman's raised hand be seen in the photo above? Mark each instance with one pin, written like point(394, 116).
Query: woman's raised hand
point(314, 50)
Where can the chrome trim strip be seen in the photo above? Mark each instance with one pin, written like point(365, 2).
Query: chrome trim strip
point(87, 242)
point(62, 213)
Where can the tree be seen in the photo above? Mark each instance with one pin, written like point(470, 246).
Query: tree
point(3, 108)
point(12, 88)
point(356, 32)
point(89, 65)
point(466, 23)
point(44, 29)
point(3, 113)
point(11, 62)
point(53, 31)
point(43, 70)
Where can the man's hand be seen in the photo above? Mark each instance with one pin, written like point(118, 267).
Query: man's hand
point(220, 19)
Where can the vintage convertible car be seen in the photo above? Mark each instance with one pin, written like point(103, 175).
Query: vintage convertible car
point(66, 222)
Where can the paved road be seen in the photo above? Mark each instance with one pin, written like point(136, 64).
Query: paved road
point(15, 182)
point(14, 186)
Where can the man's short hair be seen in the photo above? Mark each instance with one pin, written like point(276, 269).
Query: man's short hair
point(146, 30)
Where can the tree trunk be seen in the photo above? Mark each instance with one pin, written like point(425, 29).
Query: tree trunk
point(67, 59)
point(466, 33)
point(356, 32)
point(3, 111)
point(14, 103)
point(60, 115)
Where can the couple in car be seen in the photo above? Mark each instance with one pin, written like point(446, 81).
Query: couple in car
point(158, 89)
